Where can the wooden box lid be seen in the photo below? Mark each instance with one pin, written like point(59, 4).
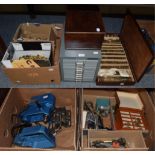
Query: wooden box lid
point(138, 52)
point(84, 19)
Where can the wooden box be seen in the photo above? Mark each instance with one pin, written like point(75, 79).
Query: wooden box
point(130, 114)
point(84, 28)
point(125, 56)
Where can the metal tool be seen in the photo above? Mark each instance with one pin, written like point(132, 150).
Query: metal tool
point(103, 106)
point(94, 117)
point(40, 121)
point(116, 143)
point(38, 109)
point(60, 118)
point(35, 137)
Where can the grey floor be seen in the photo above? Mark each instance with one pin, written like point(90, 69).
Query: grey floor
point(9, 25)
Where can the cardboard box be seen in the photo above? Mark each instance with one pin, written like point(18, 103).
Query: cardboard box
point(76, 138)
point(40, 75)
point(138, 136)
point(124, 61)
point(17, 99)
point(134, 139)
point(33, 32)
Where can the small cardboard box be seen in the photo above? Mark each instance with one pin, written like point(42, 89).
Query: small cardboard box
point(134, 139)
point(33, 33)
point(17, 99)
point(39, 75)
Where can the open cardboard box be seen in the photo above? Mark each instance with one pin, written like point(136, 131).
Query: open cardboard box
point(135, 140)
point(17, 99)
point(29, 32)
point(140, 137)
point(39, 75)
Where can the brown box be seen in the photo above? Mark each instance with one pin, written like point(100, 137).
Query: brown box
point(131, 53)
point(130, 115)
point(149, 111)
point(33, 32)
point(40, 75)
point(84, 28)
point(17, 99)
point(134, 139)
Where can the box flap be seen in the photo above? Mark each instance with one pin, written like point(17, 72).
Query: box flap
point(33, 32)
point(138, 52)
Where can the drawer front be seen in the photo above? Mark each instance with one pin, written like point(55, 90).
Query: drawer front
point(79, 69)
point(68, 67)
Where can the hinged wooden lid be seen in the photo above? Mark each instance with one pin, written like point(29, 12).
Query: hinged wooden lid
point(138, 52)
point(84, 20)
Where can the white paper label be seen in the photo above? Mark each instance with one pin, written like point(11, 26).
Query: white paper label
point(17, 46)
point(46, 46)
point(123, 73)
point(81, 55)
point(95, 52)
point(84, 118)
